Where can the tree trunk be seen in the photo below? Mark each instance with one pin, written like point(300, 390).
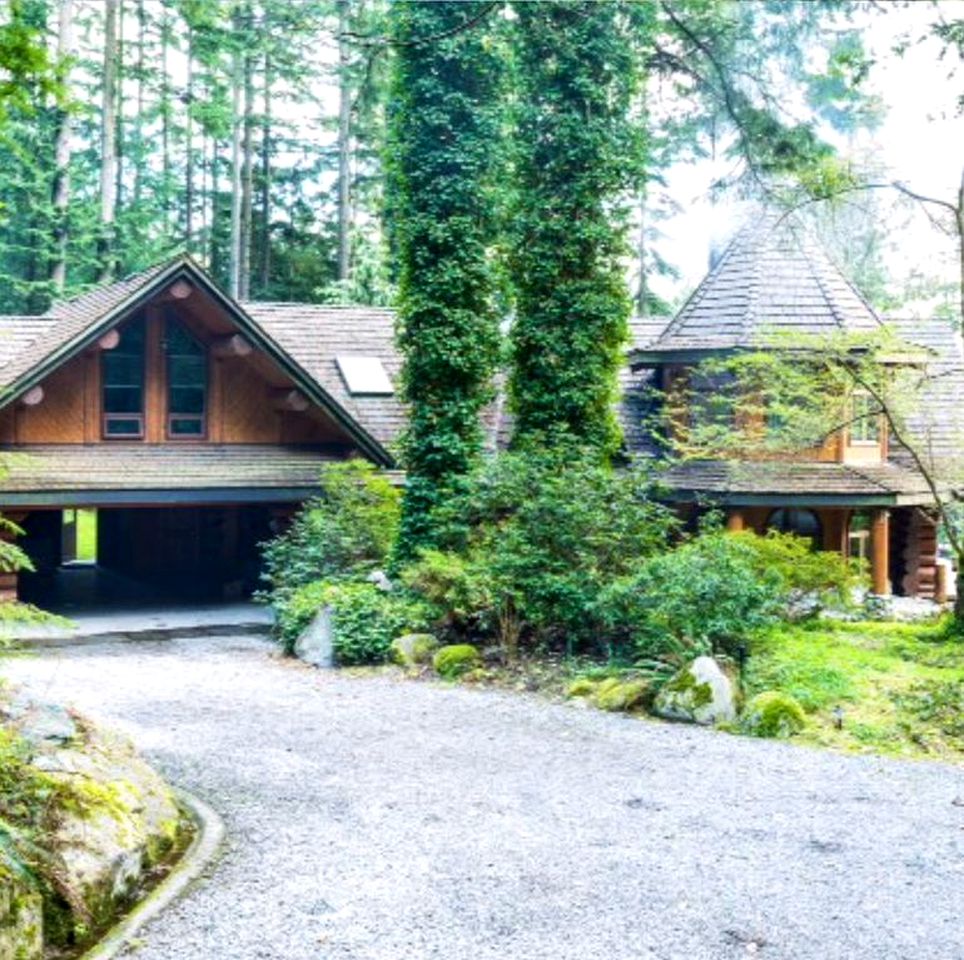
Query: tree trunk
point(234, 260)
point(165, 124)
point(344, 146)
point(61, 186)
point(108, 144)
point(139, 138)
point(247, 172)
point(642, 291)
point(264, 233)
point(119, 111)
point(189, 148)
point(959, 599)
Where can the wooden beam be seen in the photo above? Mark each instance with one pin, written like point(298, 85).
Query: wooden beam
point(293, 400)
point(180, 289)
point(109, 340)
point(33, 396)
point(234, 345)
point(735, 521)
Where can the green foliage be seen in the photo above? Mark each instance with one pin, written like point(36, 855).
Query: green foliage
point(937, 702)
point(453, 661)
point(347, 531)
point(714, 591)
point(897, 684)
point(365, 620)
point(773, 714)
point(617, 695)
point(532, 538)
point(443, 131)
point(577, 155)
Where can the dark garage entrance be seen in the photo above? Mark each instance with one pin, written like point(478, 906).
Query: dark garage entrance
point(148, 554)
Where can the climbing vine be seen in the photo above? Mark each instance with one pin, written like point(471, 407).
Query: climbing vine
point(443, 134)
point(578, 152)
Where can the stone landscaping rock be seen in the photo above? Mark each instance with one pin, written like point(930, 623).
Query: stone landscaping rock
point(773, 714)
point(317, 644)
point(618, 695)
point(21, 918)
point(453, 661)
point(413, 649)
point(380, 579)
point(39, 723)
point(700, 693)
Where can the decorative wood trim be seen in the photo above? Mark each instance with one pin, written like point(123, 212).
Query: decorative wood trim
point(155, 377)
point(92, 398)
point(33, 397)
point(233, 345)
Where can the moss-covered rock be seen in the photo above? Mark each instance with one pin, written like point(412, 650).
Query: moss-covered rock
point(21, 914)
point(623, 695)
point(773, 714)
point(453, 661)
point(699, 693)
point(581, 687)
point(413, 649)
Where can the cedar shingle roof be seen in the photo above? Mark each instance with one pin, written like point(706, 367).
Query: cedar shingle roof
point(66, 468)
point(886, 484)
point(26, 342)
point(771, 279)
point(315, 335)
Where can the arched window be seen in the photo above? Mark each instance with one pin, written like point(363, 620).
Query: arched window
point(122, 379)
point(804, 523)
point(187, 382)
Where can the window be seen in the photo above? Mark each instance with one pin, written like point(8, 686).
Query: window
point(187, 382)
point(865, 423)
point(804, 523)
point(122, 375)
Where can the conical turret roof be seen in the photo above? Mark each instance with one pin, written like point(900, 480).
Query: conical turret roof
point(771, 281)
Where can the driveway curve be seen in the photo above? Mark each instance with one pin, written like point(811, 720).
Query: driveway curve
point(378, 819)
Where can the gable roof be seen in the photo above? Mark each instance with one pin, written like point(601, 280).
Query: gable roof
point(31, 348)
point(771, 279)
point(315, 335)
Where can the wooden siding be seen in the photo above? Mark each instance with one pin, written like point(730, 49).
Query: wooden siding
point(241, 403)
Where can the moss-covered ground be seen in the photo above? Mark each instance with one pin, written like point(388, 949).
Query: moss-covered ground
point(898, 688)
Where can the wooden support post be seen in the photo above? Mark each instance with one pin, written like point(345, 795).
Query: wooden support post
point(880, 553)
point(735, 521)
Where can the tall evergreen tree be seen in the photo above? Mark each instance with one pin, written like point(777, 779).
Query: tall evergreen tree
point(443, 133)
point(579, 154)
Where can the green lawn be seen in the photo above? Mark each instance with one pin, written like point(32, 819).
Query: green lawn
point(900, 686)
point(87, 535)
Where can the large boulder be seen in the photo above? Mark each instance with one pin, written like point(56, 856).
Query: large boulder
point(700, 693)
point(317, 644)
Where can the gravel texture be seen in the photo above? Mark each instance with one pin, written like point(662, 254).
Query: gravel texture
point(379, 819)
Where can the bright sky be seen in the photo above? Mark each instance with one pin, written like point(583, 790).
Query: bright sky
point(920, 143)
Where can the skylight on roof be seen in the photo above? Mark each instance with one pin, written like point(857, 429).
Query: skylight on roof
point(365, 376)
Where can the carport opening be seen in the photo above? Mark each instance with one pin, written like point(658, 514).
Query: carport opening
point(145, 556)
point(79, 538)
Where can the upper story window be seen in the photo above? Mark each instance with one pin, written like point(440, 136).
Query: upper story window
point(122, 376)
point(865, 422)
point(187, 382)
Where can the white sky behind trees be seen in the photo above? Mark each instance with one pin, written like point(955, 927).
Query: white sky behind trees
point(920, 143)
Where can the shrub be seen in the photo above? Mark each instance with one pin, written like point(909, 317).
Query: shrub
point(453, 661)
point(529, 541)
point(346, 531)
point(365, 619)
point(715, 590)
point(773, 714)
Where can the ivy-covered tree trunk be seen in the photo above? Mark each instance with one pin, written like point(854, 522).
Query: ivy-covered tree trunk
point(578, 154)
point(442, 138)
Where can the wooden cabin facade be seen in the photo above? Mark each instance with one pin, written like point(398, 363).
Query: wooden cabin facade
point(855, 494)
point(192, 424)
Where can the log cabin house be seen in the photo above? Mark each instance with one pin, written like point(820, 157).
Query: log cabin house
point(858, 493)
point(195, 425)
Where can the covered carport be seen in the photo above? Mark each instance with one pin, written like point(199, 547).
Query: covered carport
point(169, 522)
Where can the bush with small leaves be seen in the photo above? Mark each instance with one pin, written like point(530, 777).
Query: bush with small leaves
point(453, 661)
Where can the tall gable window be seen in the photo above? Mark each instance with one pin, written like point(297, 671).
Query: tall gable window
point(122, 375)
point(187, 382)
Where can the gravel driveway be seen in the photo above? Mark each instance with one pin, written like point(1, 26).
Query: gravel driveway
point(383, 819)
